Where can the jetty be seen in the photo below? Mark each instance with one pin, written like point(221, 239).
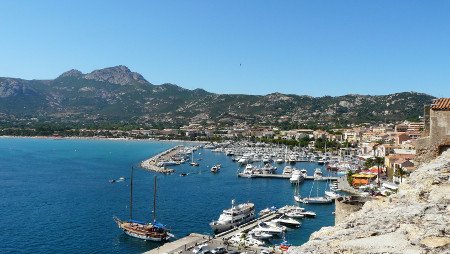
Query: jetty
point(152, 163)
point(286, 176)
point(186, 244)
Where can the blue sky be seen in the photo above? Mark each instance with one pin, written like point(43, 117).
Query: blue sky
point(254, 47)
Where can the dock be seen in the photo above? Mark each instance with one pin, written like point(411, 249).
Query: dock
point(151, 163)
point(247, 226)
point(285, 176)
point(186, 244)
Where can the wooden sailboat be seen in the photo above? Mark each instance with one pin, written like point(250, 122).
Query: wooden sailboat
point(147, 231)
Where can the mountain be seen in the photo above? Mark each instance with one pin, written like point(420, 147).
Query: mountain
point(118, 95)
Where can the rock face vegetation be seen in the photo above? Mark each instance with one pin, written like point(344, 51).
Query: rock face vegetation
point(117, 94)
point(415, 220)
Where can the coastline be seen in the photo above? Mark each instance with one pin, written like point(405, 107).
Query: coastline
point(113, 139)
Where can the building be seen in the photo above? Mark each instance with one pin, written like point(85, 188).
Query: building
point(436, 135)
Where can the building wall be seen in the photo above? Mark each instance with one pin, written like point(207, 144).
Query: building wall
point(429, 147)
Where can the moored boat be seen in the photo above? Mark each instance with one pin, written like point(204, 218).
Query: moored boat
point(235, 216)
point(153, 231)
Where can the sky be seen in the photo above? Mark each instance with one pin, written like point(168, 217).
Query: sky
point(299, 47)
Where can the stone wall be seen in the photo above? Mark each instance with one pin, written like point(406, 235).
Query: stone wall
point(414, 220)
point(429, 147)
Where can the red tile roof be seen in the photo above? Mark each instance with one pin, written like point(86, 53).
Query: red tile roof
point(441, 104)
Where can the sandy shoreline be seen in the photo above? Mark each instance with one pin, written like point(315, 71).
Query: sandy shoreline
point(112, 139)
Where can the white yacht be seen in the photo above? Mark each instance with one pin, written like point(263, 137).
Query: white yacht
point(235, 216)
point(287, 170)
point(295, 214)
point(287, 221)
point(215, 169)
point(268, 169)
point(270, 229)
point(260, 235)
point(316, 200)
point(318, 174)
point(297, 177)
point(304, 172)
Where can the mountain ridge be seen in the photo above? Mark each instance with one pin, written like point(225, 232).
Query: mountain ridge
point(116, 94)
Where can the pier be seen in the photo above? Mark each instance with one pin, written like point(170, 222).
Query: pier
point(280, 176)
point(186, 244)
point(151, 163)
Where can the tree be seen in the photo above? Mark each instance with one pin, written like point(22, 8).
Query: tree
point(399, 172)
point(379, 161)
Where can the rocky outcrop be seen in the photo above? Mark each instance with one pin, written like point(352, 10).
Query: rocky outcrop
point(120, 75)
point(10, 87)
point(71, 73)
point(415, 220)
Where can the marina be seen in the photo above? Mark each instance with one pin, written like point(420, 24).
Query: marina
point(90, 164)
point(285, 176)
point(188, 243)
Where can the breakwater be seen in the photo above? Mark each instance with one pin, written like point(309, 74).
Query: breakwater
point(152, 163)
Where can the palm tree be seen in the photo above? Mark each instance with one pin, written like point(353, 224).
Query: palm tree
point(379, 161)
point(399, 172)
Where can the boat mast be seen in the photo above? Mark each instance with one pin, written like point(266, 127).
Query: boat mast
point(154, 202)
point(131, 194)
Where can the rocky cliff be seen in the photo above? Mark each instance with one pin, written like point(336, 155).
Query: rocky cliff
point(415, 220)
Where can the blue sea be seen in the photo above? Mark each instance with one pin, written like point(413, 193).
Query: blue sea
point(55, 195)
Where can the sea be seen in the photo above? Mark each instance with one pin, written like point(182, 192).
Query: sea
point(56, 195)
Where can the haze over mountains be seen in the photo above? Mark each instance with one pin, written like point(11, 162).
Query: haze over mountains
point(117, 94)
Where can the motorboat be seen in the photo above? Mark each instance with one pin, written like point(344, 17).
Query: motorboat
point(267, 211)
point(296, 177)
point(233, 217)
point(287, 170)
point(268, 169)
point(295, 214)
point(304, 172)
point(215, 169)
point(260, 235)
point(316, 200)
point(318, 174)
point(287, 221)
point(309, 214)
point(267, 228)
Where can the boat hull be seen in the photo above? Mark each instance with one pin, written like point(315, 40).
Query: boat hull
point(316, 201)
point(220, 227)
point(142, 231)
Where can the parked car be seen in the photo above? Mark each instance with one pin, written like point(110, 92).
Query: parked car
point(201, 249)
point(219, 250)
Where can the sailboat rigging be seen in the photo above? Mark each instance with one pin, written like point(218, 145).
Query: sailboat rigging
point(153, 231)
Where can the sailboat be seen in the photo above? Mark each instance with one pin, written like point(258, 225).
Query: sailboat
point(193, 163)
point(147, 231)
point(313, 200)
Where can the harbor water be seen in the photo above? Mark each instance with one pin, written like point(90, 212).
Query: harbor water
point(55, 195)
